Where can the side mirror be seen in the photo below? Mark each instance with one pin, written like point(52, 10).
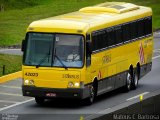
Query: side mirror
point(23, 45)
point(88, 44)
point(88, 50)
point(89, 47)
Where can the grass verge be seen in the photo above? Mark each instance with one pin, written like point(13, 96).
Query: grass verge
point(20, 13)
point(12, 63)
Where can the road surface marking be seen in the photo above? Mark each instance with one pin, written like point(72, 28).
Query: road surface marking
point(6, 86)
point(137, 96)
point(100, 112)
point(1, 93)
point(19, 103)
point(155, 57)
point(104, 111)
point(7, 101)
point(156, 50)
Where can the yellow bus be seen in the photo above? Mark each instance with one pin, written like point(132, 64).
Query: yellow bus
point(83, 54)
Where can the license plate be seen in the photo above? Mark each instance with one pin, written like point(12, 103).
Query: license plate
point(51, 94)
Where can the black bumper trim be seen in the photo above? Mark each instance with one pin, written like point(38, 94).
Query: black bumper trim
point(75, 93)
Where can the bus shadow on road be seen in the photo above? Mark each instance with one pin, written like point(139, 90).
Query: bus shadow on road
point(74, 103)
point(62, 103)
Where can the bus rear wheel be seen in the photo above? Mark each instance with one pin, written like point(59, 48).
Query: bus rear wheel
point(39, 100)
point(129, 78)
point(134, 83)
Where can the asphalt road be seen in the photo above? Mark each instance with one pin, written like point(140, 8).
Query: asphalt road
point(76, 110)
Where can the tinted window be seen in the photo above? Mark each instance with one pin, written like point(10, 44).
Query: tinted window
point(126, 32)
point(111, 36)
point(140, 27)
point(134, 32)
point(148, 25)
point(99, 40)
point(121, 33)
point(118, 34)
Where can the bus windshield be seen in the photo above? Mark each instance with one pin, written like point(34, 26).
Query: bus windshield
point(54, 50)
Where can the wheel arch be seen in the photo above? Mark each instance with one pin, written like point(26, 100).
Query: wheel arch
point(131, 69)
point(138, 69)
point(95, 83)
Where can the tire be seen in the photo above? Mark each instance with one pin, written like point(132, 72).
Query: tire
point(91, 98)
point(129, 78)
point(135, 80)
point(39, 100)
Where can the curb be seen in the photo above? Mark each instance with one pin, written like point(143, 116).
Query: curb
point(10, 77)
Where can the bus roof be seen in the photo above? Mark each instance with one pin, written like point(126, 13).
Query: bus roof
point(91, 18)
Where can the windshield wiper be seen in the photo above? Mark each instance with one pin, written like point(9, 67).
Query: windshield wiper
point(44, 58)
point(55, 55)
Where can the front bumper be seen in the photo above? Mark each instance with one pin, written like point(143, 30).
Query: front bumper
point(75, 93)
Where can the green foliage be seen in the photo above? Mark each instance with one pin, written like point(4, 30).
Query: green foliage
point(19, 14)
point(16, 4)
point(12, 62)
point(21, 4)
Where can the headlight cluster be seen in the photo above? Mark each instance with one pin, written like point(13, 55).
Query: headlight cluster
point(75, 84)
point(29, 82)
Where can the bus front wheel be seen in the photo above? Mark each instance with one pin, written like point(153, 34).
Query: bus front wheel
point(39, 100)
point(91, 98)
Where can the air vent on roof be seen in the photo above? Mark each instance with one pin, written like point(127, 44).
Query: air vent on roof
point(111, 8)
point(117, 7)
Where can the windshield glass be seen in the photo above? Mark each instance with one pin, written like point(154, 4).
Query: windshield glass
point(57, 50)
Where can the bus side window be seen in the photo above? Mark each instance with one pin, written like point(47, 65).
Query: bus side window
point(148, 25)
point(99, 40)
point(102, 42)
point(118, 32)
point(140, 27)
point(134, 32)
point(126, 32)
point(111, 36)
point(105, 41)
point(143, 26)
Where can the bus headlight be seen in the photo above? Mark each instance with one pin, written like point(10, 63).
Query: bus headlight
point(29, 82)
point(70, 84)
point(76, 84)
point(26, 82)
